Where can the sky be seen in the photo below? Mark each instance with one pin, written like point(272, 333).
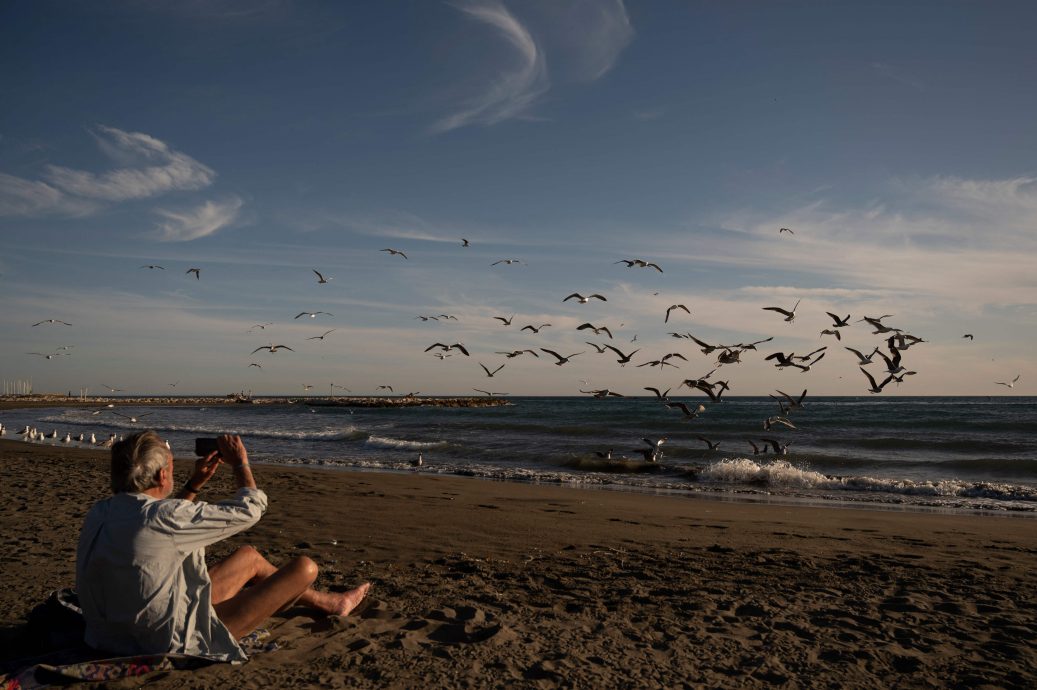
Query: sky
point(259, 141)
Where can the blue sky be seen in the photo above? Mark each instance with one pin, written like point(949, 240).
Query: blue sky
point(258, 141)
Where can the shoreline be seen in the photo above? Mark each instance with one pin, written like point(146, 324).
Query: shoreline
point(717, 495)
point(484, 583)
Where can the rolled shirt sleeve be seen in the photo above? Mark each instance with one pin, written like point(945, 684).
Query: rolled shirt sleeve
point(195, 525)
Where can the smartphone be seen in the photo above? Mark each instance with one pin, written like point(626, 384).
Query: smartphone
point(204, 446)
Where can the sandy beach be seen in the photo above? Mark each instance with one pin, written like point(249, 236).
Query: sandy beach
point(484, 584)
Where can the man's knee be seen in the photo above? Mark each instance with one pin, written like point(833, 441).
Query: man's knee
point(305, 567)
point(247, 551)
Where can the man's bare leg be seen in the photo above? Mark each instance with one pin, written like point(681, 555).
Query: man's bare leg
point(245, 565)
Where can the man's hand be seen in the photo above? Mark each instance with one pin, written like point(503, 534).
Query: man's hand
point(232, 450)
point(204, 469)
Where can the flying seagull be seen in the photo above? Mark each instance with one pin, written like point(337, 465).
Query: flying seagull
point(465, 243)
point(789, 315)
point(623, 359)
point(394, 252)
point(321, 337)
point(659, 395)
point(969, 336)
point(583, 300)
point(272, 348)
point(860, 355)
point(688, 413)
point(261, 326)
point(516, 353)
point(671, 308)
point(712, 446)
point(507, 262)
point(320, 277)
point(480, 390)
point(505, 321)
point(837, 322)
point(196, 271)
point(597, 329)
point(535, 329)
point(311, 314)
point(875, 387)
point(153, 266)
point(1008, 384)
point(132, 419)
point(40, 323)
point(455, 346)
point(602, 393)
point(488, 372)
point(50, 356)
point(781, 230)
point(561, 360)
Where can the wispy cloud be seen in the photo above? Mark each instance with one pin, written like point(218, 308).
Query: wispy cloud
point(514, 89)
point(33, 198)
point(201, 221)
point(592, 35)
point(587, 36)
point(169, 170)
point(150, 168)
point(962, 243)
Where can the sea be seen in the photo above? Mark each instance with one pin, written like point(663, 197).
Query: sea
point(928, 453)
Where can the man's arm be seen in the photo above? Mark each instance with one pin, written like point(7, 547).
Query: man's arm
point(233, 452)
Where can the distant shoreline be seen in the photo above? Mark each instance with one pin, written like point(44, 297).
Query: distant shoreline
point(12, 402)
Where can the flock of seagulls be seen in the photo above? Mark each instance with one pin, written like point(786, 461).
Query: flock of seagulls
point(887, 358)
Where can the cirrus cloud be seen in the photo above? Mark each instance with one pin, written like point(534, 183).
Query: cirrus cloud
point(198, 222)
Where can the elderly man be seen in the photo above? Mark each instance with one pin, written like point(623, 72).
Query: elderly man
point(140, 567)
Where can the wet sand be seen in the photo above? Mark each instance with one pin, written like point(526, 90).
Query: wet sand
point(483, 584)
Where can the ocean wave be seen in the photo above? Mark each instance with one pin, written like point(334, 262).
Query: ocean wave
point(781, 474)
point(401, 444)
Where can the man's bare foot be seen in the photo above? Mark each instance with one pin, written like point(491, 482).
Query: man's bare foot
point(341, 603)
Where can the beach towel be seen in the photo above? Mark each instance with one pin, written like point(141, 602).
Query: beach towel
point(58, 623)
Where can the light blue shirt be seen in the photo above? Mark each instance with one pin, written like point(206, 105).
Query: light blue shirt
point(141, 575)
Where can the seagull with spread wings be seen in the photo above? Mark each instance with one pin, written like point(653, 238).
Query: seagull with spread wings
point(790, 316)
point(675, 306)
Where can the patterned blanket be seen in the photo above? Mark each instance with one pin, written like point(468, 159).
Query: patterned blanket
point(77, 663)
